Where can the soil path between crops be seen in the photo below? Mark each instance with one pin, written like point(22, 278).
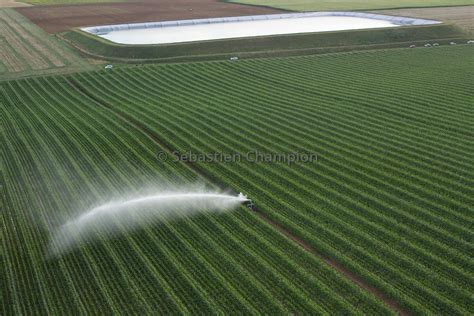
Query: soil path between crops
point(214, 181)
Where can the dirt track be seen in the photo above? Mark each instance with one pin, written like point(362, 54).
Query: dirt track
point(61, 18)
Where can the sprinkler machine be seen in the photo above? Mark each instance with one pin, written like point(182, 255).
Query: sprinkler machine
point(247, 202)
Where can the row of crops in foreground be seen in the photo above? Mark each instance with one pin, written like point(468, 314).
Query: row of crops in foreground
point(391, 195)
point(62, 153)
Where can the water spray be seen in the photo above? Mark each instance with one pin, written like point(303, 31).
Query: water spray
point(125, 215)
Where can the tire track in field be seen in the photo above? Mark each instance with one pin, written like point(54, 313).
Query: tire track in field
point(212, 180)
point(335, 265)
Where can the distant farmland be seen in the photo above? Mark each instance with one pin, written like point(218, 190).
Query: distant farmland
point(390, 197)
point(316, 5)
point(460, 16)
point(25, 49)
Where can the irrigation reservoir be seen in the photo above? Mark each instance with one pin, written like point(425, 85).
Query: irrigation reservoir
point(246, 26)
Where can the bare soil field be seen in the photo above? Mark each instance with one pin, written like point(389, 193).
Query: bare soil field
point(61, 18)
point(462, 16)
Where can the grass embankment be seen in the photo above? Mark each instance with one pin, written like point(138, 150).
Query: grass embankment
point(278, 45)
point(345, 5)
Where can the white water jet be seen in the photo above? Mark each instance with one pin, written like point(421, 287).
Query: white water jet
point(126, 215)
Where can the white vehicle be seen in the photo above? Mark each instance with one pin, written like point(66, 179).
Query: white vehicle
point(436, 44)
point(452, 43)
point(412, 46)
point(234, 58)
point(427, 45)
point(470, 42)
point(108, 67)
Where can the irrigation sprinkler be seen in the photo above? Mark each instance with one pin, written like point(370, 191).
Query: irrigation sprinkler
point(247, 202)
point(134, 212)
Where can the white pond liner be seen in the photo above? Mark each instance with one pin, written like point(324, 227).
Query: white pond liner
point(247, 26)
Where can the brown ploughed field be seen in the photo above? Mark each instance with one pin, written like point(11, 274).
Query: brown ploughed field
point(60, 18)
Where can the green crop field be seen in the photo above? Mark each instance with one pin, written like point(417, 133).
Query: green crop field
point(389, 198)
point(316, 5)
point(25, 49)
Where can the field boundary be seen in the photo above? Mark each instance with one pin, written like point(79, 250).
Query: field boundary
point(267, 54)
point(216, 183)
